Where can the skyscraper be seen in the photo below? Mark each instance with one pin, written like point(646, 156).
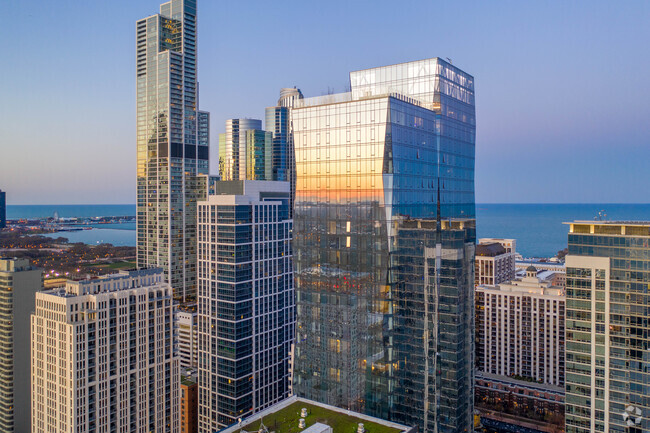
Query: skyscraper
point(233, 148)
point(607, 321)
point(383, 173)
point(3, 209)
point(246, 300)
point(278, 122)
point(19, 281)
point(172, 144)
point(104, 356)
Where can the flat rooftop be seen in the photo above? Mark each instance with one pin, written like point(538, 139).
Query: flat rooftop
point(284, 417)
point(622, 228)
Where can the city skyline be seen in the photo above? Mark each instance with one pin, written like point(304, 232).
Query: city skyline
point(579, 69)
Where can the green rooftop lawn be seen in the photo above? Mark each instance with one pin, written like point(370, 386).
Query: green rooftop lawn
point(286, 421)
point(116, 265)
point(186, 381)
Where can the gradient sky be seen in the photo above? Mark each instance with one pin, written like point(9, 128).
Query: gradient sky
point(562, 93)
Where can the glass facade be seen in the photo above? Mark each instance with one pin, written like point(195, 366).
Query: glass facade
point(233, 147)
point(259, 155)
point(278, 122)
point(367, 161)
point(3, 209)
point(432, 278)
point(172, 144)
point(607, 355)
point(246, 305)
point(19, 282)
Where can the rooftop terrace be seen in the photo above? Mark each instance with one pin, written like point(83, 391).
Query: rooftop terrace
point(284, 417)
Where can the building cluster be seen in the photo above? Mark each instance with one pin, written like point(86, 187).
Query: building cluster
point(335, 260)
point(520, 337)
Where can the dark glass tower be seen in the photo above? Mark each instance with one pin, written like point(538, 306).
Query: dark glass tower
point(172, 144)
point(384, 245)
point(3, 209)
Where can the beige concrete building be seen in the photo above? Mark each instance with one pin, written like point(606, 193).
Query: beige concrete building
point(104, 356)
point(520, 329)
point(188, 339)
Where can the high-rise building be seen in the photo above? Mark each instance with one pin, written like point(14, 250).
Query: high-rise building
point(520, 329)
point(278, 122)
point(607, 321)
point(3, 209)
point(389, 160)
point(246, 300)
point(233, 148)
point(104, 356)
point(188, 336)
point(259, 161)
point(19, 281)
point(495, 261)
point(172, 144)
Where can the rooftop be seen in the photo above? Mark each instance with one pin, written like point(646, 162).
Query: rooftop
point(284, 418)
point(187, 381)
point(622, 228)
point(490, 250)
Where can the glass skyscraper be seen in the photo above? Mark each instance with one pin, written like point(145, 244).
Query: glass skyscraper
point(172, 144)
point(3, 209)
point(233, 148)
point(607, 327)
point(278, 122)
point(384, 245)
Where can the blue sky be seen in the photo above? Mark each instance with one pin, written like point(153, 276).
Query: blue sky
point(562, 95)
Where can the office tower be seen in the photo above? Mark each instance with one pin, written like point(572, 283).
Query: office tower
point(3, 209)
point(278, 122)
point(246, 300)
point(189, 405)
point(607, 357)
point(495, 261)
point(19, 281)
point(104, 356)
point(233, 147)
point(396, 150)
point(172, 144)
point(188, 337)
point(520, 329)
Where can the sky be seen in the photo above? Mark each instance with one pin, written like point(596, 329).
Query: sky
point(562, 95)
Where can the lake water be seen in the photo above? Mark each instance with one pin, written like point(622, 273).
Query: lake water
point(538, 228)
